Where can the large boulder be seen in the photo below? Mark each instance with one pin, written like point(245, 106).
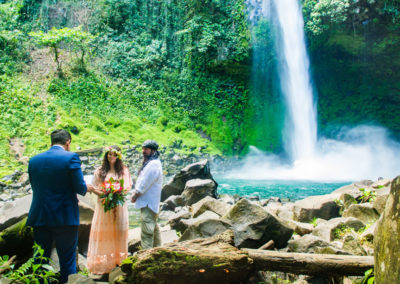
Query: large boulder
point(211, 204)
point(285, 211)
point(323, 206)
point(86, 211)
point(368, 234)
point(175, 221)
point(326, 230)
point(351, 189)
point(204, 228)
point(387, 240)
point(313, 244)
point(253, 226)
point(380, 199)
point(17, 240)
point(298, 227)
point(352, 245)
point(176, 185)
point(13, 212)
point(197, 189)
point(186, 223)
point(172, 202)
point(364, 212)
point(346, 200)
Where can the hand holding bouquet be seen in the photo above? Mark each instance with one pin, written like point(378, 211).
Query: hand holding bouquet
point(113, 194)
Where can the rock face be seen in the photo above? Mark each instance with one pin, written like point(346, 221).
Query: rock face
point(323, 207)
point(326, 230)
point(200, 170)
point(364, 212)
point(387, 240)
point(197, 189)
point(313, 244)
point(210, 204)
point(253, 226)
point(13, 212)
point(204, 228)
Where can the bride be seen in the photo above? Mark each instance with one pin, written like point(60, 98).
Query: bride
point(108, 241)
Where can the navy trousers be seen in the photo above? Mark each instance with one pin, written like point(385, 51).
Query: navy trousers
point(66, 239)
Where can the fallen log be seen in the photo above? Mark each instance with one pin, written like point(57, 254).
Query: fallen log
point(213, 261)
point(216, 260)
point(310, 264)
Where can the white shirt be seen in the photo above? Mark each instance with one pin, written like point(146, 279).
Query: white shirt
point(149, 184)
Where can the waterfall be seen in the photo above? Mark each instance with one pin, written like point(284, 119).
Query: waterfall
point(301, 127)
point(364, 151)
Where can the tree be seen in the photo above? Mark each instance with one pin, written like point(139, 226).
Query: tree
point(77, 39)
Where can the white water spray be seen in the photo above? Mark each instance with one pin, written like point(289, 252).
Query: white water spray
point(363, 152)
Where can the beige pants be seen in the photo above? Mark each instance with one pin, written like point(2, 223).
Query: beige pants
point(150, 232)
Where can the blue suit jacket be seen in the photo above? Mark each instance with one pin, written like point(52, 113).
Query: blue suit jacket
point(56, 177)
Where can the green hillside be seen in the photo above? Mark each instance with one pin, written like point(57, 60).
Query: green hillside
point(192, 73)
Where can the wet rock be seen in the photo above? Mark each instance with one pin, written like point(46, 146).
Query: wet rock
point(197, 189)
point(323, 206)
point(176, 185)
point(253, 226)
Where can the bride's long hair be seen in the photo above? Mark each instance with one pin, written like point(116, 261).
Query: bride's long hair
point(105, 166)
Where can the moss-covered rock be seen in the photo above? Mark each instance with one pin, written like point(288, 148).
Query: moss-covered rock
point(387, 240)
point(17, 240)
point(212, 260)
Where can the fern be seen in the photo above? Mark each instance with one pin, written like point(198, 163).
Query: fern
point(34, 270)
point(24, 268)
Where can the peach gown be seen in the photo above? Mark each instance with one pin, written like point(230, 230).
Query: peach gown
point(108, 241)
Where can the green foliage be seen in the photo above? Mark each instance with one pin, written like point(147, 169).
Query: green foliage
point(368, 195)
point(77, 39)
point(182, 69)
point(341, 231)
point(12, 40)
point(314, 222)
point(340, 204)
point(34, 270)
point(24, 115)
point(360, 42)
point(325, 12)
point(369, 277)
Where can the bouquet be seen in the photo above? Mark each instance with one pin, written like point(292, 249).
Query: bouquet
point(113, 194)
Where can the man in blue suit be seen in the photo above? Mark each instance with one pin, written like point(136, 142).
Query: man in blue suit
point(56, 179)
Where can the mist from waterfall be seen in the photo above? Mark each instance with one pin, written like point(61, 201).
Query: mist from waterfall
point(362, 152)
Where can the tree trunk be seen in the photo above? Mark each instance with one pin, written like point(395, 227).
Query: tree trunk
point(311, 264)
point(211, 260)
point(216, 260)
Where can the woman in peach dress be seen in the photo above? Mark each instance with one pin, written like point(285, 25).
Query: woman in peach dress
point(108, 241)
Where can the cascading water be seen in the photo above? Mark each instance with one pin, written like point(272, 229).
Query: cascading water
point(362, 152)
point(301, 126)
